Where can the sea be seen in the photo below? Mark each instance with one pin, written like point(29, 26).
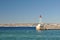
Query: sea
point(28, 33)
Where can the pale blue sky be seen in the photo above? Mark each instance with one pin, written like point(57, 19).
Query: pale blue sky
point(28, 11)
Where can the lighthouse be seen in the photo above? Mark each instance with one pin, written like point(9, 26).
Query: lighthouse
point(40, 19)
point(40, 25)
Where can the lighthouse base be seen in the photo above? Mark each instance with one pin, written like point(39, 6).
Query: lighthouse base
point(40, 27)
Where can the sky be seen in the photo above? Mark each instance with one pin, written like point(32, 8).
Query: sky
point(28, 11)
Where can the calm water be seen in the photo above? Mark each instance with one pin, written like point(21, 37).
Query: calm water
point(28, 33)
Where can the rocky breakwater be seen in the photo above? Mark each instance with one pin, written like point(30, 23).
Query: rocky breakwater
point(52, 26)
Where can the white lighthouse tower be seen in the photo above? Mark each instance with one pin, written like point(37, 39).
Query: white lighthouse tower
point(39, 26)
point(40, 21)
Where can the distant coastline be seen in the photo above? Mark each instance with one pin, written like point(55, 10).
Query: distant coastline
point(29, 24)
point(15, 25)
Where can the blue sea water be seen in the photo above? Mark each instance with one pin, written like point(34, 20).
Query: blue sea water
point(28, 33)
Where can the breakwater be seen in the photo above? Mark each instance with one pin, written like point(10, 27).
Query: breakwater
point(46, 25)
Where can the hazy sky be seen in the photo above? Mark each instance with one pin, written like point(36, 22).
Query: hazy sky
point(28, 11)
